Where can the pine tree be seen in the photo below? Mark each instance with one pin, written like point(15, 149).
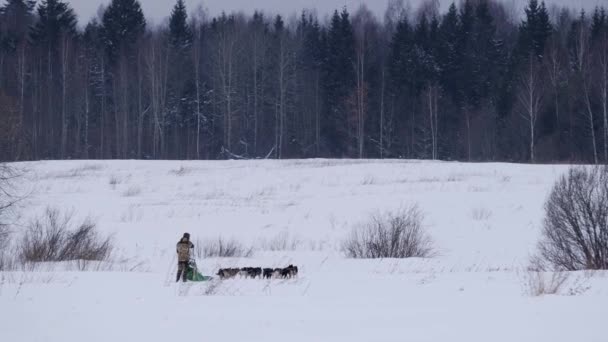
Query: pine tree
point(339, 82)
point(450, 54)
point(486, 52)
point(310, 61)
point(54, 18)
point(123, 23)
point(534, 30)
point(53, 34)
point(180, 32)
point(402, 44)
point(599, 23)
point(97, 86)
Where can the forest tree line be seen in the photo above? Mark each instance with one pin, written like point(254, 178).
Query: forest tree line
point(476, 83)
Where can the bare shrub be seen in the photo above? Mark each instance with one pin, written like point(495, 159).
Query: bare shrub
point(77, 172)
point(541, 283)
point(575, 228)
point(9, 196)
point(91, 167)
point(132, 191)
point(114, 180)
point(181, 171)
point(281, 242)
point(54, 237)
point(5, 235)
point(397, 234)
point(481, 214)
point(368, 180)
point(9, 200)
point(221, 248)
point(6, 257)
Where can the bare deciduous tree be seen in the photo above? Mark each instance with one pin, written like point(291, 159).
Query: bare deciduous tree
point(583, 67)
point(365, 29)
point(575, 231)
point(530, 98)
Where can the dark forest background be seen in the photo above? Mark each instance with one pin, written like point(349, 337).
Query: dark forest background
point(477, 83)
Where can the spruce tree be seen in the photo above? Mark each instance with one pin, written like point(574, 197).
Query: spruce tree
point(534, 30)
point(599, 23)
point(450, 54)
point(339, 82)
point(123, 23)
point(54, 18)
point(180, 32)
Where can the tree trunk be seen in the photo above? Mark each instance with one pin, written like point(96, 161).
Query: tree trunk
point(591, 120)
point(530, 99)
point(140, 117)
point(255, 94)
point(382, 114)
point(125, 112)
point(198, 102)
point(604, 89)
point(50, 105)
point(87, 110)
point(64, 82)
point(317, 116)
point(432, 98)
point(360, 96)
point(102, 122)
point(22, 68)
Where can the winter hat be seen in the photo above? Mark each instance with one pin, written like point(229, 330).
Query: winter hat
point(187, 235)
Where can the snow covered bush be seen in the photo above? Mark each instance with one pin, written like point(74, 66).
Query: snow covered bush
point(222, 248)
point(397, 234)
point(575, 229)
point(54, 237)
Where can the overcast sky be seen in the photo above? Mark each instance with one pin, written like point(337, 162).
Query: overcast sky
point(158, 10)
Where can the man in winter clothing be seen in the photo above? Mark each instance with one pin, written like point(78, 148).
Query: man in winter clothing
point(183, 256)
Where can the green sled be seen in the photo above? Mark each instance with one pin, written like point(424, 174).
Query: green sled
point(192, 274)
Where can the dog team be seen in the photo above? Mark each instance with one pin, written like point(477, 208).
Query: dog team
point(255, 272)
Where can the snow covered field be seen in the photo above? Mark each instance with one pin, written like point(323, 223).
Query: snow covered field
point(485, 220)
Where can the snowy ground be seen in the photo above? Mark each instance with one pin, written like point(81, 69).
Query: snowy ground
point(485, 220)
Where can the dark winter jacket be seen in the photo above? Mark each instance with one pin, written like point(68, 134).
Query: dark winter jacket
point(183, 250)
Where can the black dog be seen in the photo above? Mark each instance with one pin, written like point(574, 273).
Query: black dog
point(254, 272)
point(289, 271)
point(268, 273)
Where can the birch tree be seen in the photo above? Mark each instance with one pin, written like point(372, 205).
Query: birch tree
point(530, 99)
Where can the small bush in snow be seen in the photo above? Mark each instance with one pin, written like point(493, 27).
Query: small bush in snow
point(5, 235)
point(132, 191)
point(575, 228)
point(390, 235)
point(540, 283)
point(180, 172)
point(114, 180)
point(221, 248)
point(9, 197)
point(281, 242)
point(55, 237)
point(481, 214)
point(6, 257)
